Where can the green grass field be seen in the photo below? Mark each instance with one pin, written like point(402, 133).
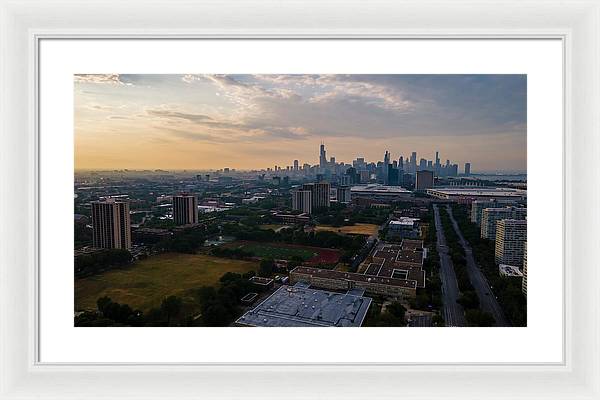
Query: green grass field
point(145, 284)
point(265, 250)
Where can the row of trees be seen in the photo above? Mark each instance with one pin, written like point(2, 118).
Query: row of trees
point(111, 313)
point(82, 234)
point(188, 241)
point(221, 306)
point(393, 315)
point(507, 290)
point(90, 264)
point(430, 297)
point(325, 239)
point(468, 298)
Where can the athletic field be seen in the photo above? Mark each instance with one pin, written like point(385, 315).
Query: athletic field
point(356, 229)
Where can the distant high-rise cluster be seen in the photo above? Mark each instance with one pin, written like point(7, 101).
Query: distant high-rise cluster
point(409, 172)
point(391, 172)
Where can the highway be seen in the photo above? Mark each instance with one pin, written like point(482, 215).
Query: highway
point(487, 300)
point(453, 312)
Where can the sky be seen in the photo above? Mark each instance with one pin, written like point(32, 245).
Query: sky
point(201, 122)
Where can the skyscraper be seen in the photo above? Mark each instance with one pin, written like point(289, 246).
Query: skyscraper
point(386, 158)
point(319, 193)
point(322, 157)
point(424, 180)
point(111, 224)
point(343, 194)
point(413, 162)
point(185, 209)
point(491, 216)
point(467, 169)
point(511, 235)
point(478, 206)
point(392, 176)
point(295, 165)
point(386, 162)
point(302, 200)
point(353, 176)
point(524, 282)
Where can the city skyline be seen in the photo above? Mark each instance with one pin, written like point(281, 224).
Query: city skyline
point(204, 122)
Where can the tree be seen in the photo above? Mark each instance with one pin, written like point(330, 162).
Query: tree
point(266, 268)
point(102, 302)
point(397, 310)
point(229, 277)
point(171, 307)
point(479, 318)
point(469, 299)
point(437, 320)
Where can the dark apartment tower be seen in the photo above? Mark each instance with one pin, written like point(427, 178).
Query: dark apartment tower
point(413, 162)
point(424, 180)
point(302, 201)
point(111, 224)
point(319, 193)
point(353, 176)
point(322, 156)
point(185, 209)
point(386, 162)
point(467, 169)
point(343, 194)
point(392, 175)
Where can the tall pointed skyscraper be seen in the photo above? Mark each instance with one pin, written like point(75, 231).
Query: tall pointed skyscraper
point(322, 156)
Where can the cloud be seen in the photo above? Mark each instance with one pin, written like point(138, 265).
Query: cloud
point(110, 79)
point(347, 87)
point(363, 106)
point(178, 115)
point(99, 107)
point(203, 127)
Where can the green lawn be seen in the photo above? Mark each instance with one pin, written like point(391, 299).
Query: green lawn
point(277, 251)
point(145, 284)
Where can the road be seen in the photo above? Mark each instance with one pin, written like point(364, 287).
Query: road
point(453, 312)
point(421, 321)
point(487, 300)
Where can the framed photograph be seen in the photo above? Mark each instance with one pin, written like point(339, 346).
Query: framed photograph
point(190, 190)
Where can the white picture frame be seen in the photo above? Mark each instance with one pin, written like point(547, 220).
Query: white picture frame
point(24, 23)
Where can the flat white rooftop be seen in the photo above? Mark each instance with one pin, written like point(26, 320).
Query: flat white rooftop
point(377, 188)
point(475, 192)
point(405, 221)
point(301, 306)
